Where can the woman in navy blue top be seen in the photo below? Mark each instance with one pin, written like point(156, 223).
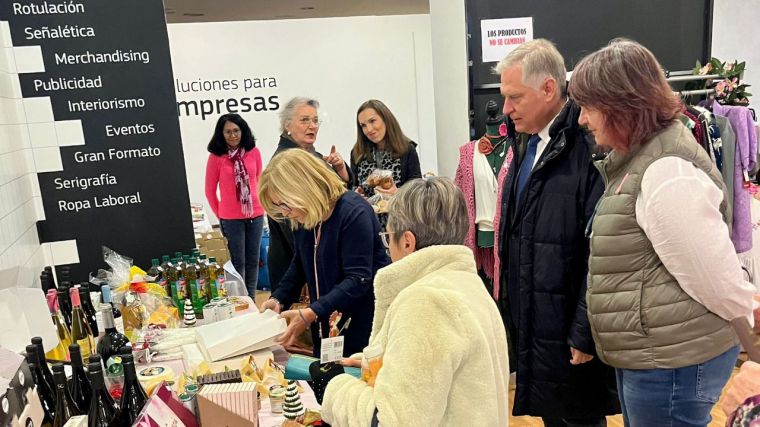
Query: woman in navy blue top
point(338, 249)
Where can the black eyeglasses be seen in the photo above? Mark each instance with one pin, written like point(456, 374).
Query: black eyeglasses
point(283, 207)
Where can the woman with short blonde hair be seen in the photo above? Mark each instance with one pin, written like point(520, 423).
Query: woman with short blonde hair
point(337, 249)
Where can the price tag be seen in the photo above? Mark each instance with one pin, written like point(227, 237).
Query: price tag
point(332, 349)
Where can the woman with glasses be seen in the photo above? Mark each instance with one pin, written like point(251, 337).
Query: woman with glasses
point(380, 144)
point(234, 167)
point(444, 348)
point(337, 249)
point(299, 127)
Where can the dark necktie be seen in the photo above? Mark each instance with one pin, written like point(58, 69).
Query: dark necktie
point(527, 165)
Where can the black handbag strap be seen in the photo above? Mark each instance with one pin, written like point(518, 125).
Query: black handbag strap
point(375, 422)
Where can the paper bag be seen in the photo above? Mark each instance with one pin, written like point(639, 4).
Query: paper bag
point(23, 314)
point(239, 335)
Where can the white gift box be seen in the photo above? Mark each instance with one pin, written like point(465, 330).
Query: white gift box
point(239, 335)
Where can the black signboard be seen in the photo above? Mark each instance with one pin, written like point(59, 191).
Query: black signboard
point(107, 64)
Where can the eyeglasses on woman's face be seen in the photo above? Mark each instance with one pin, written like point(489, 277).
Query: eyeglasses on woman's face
point(385, 238)
point(283, 207)
point(234, 132)
point(306, 121)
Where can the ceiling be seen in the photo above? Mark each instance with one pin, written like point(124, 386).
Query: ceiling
point(244, 10)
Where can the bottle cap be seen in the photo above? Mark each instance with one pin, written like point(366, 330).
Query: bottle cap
point(52, 300)
point(105, 292)
point(74, 295)
point(58, 367)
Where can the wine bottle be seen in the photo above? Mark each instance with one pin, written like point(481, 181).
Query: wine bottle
point(49, 270)
point(61, 351)
point(37, 342)
point(64, 302)
point(44, 389)
point(79, 385)
point(105, 292)
point(89, 310)
point(102, 410)
point(65, 407)
point(80, 329)
point(133, 396)
point(111, 341)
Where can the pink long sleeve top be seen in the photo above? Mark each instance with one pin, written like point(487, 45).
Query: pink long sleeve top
point(220, 174)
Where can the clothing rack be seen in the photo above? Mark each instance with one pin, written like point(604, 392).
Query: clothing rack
point(695, 92)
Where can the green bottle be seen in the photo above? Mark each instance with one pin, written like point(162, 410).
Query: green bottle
point(192, 280)
point(216, 277)
point(172, 280)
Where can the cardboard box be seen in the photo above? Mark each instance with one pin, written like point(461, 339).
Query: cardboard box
point(229, 405)
point(20, 404)
point(213, 244)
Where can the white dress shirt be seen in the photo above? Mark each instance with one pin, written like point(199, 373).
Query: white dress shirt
point(679, 210)
point(545, 138)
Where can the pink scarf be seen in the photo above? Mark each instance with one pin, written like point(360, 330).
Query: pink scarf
point(241, 181)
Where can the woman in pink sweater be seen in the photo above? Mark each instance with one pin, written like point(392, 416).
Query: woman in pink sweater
point(234, 167)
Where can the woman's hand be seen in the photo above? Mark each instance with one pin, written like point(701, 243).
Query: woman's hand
point(335, 160)
point(296, 324)
point(271, 304)
point(389, 192)
point(352, 363)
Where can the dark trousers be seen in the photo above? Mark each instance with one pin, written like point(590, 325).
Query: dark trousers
point(244, 241)
point(575, 422)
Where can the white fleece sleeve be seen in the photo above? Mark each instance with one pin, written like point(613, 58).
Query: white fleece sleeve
point(426, 345)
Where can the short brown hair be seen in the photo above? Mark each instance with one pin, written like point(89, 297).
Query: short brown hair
point(396, 142)
point(626, 83)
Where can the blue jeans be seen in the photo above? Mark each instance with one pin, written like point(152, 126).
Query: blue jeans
point(244, 241)
point(681, 397)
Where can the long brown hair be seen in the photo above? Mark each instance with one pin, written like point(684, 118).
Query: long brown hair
point(395, 141)
point(625, 82)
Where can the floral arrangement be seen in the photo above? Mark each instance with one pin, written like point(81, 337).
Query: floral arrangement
point(729, 90)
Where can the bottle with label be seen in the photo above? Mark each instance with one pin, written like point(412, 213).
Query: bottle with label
point(105, 293)
point(79, 385)
point(37, 343)
point(165, 268)
point(216, 278)
point(102, 408)
point(44, 389)
point(80, 329)
point(111, 341)
point(192, 279)
point(65, 407)
point(64, 303)
point(155, 271)
point(133, 396)
point(203, 270)
point(61, 351)
point(173, 277)
point(88, 308)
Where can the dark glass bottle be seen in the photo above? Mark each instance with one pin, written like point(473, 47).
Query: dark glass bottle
point(37, 342)
point(64, 302)
point(105, 293)
point(44, 389)
point(65, 407)
point(79, 385)
point(89, 310)
point(112, 340)
point(102, 410)
point(133, 396)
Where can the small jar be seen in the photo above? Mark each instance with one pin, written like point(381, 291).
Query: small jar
point(276, 399)
point(372, 361)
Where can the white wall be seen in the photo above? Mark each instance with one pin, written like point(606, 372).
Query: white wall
point(736, 35)
point(341, 62)
point(449, 35)
point(21, 255)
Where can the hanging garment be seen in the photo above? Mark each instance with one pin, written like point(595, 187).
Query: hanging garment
point(728, 138)
point(746, 157)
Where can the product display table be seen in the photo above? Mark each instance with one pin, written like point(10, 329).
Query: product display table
point(266, 417)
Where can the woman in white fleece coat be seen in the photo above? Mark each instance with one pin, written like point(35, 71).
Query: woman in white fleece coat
point(445, 350)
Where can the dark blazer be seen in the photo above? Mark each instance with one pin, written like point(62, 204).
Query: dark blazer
point(280, 235)
point(543, 272)
point(348, 255)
